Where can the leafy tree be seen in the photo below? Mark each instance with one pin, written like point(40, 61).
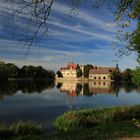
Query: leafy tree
point(136, 76)
point(116, 75)
point(79, 73)
point(13, 70)
point(87, 69)
point(128, 10)
point(51, 74)
point(59, 74)
point(127, 75)
point(3, 72)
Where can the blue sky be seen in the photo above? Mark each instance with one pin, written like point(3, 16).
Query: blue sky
point(83, 37)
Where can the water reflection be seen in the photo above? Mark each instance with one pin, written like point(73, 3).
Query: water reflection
point(29, 87)
point(89, 88)
point(70, 88)
point(43, 101)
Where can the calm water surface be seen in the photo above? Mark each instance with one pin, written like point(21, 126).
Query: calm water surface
point(42, 102)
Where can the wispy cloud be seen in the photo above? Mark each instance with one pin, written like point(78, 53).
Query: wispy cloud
point(84, 38)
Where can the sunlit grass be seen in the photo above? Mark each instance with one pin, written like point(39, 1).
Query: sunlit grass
point(91, 117)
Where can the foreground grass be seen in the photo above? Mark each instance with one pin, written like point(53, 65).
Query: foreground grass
point(106, 131)
point(19, 129)
point(99, 124)
point(92, 117)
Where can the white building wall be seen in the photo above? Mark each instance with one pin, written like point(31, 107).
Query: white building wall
point(69, 73)
point(100, 76)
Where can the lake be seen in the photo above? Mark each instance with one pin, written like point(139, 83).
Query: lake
point(44, 101)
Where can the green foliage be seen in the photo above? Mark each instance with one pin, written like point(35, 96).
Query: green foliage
point(19, 128)
point(127, 75)
point(128, 10)
point(136, 76)
point(79, 73)
point(59, 74)
point(135, 41)
point(12, 71)
point(87, 69)
point(92, 117)
point(116, 76)
point(3, 72)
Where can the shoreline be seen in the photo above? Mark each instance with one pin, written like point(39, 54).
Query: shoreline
point(80, 79)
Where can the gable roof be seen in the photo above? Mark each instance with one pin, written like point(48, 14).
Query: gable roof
point(70, 66)
point(100, 71)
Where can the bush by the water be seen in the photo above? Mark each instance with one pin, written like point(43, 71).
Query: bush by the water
point(20, 128)
point(92, 117)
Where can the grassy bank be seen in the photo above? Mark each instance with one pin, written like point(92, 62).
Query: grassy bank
point(99, 124)
point(19, 129)
point(91, 117)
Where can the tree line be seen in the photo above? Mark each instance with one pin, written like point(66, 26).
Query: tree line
point(12, 71)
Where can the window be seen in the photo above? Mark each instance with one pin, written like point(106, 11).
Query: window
point(99, 78)
point(95, 77)
point(104, 78)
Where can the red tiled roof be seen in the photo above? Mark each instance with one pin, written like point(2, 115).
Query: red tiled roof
point(70, 66)
point(100, 71)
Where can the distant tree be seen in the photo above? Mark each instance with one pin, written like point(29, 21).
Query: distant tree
point(127, 75)
point(79, 73)
point(59, 74)
point(116, 76)
point(13, 70)
point(87, 69)
point(10, 70)
point(3, 72)
point(136, 76)
point(51, 74)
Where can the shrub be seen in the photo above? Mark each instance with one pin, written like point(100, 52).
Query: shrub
point(20, 128)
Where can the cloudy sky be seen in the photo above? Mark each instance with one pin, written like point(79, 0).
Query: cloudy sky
point(83, 36)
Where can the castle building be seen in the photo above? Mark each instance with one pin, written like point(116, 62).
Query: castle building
point(72, 70)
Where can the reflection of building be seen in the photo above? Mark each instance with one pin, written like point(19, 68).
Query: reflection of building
point(100, 84)
point(71, 71)
point(71, 88)
point(98, 87)
point(87, 89)
point(101, 73)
